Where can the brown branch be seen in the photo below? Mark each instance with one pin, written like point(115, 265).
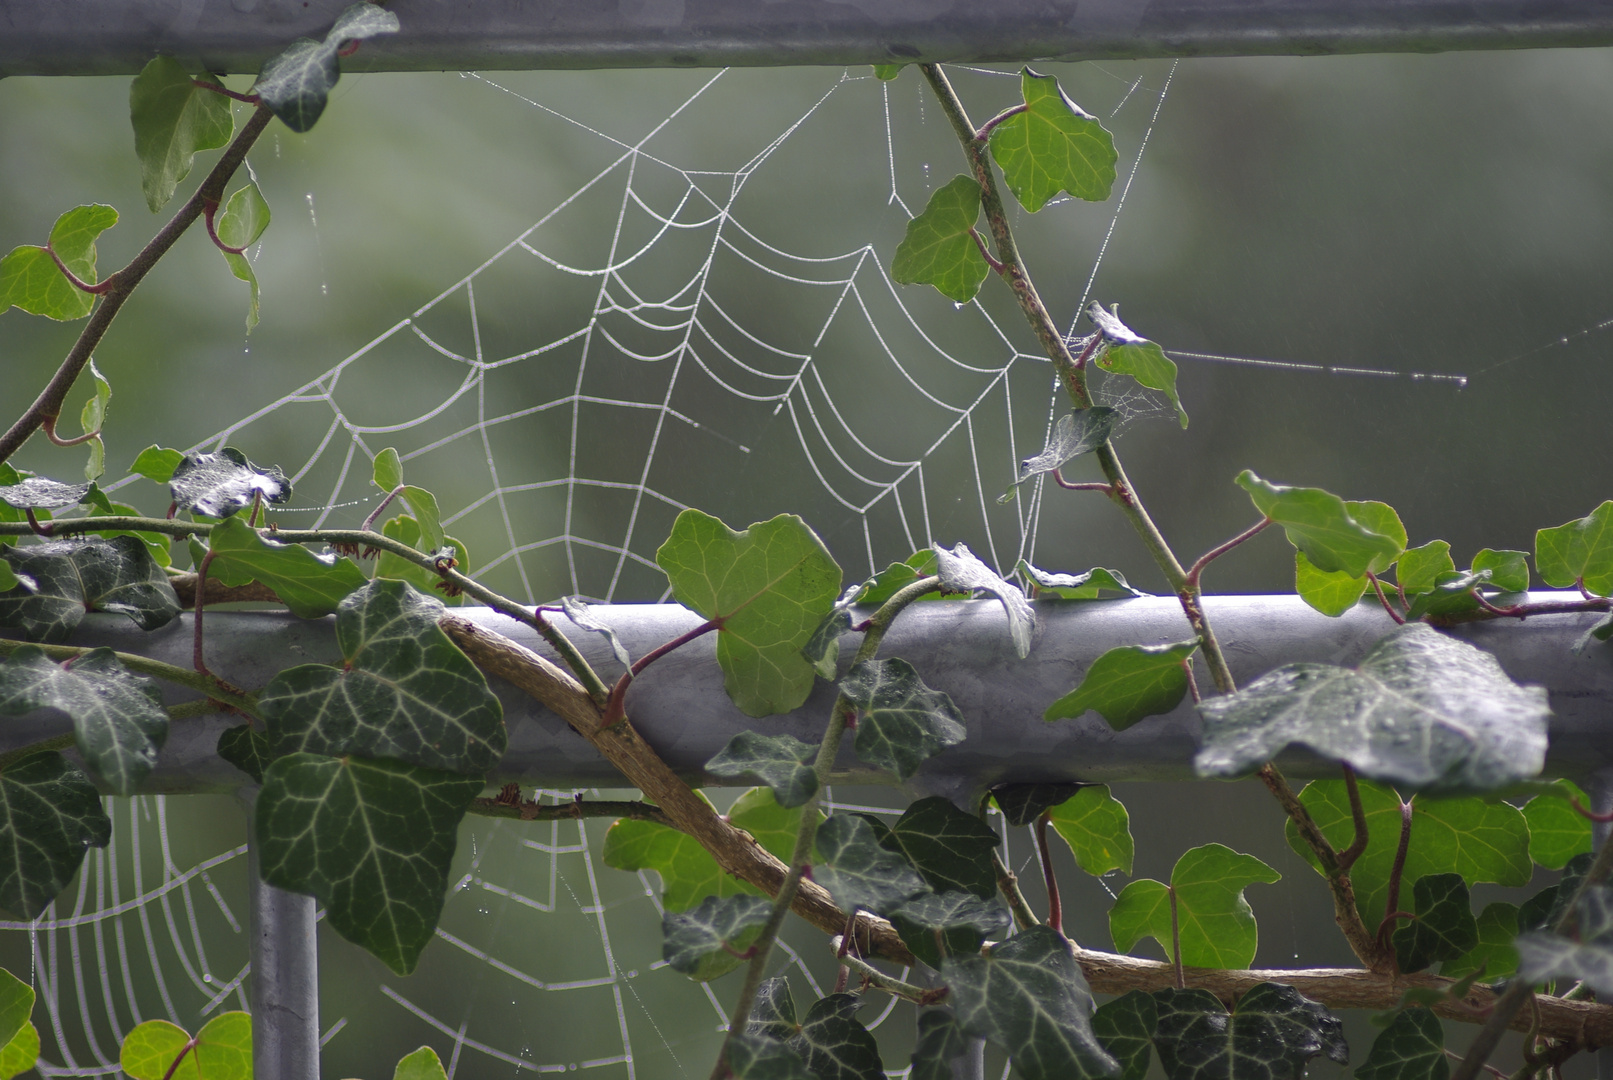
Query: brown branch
point(571, 811)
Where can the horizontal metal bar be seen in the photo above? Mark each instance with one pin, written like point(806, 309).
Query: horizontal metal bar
point(961, 647)
point(110, 37)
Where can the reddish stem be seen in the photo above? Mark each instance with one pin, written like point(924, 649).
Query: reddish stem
point(1192, 683)
point(201, 601)
point(1055, 909)
point(369, 522)
point(1058, 478)
point(1391, 900)
point(48, 426)
point(190, 1044)
point(1088, 350)
point(1523, 611)
point(1176, 942)
point(1506, 612)
point(614, 708)
point(209, 208)
point(1586, 812)
point(985, 132)
point(1400, 620)
point(350, 48)
point(1358, 813)
point(844, 949)
point(1193, 572)
point(985, 253)
point(249, 99)
point(40, 528)
point(78, 283)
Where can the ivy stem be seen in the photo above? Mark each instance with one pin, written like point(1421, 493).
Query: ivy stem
point(843, 950)
point(201, 602)
point(1358, 815)
point(1377, 586)
point(614, 705)
point(249, 99)
point(985, 252)
point(1197, 569)
point(1055, 910)
point(571, 811)
point(74, 280)
point(1008, 885)
point(1176, 941)
point(37, 527)
point(55, 742)
point(386, 501)
point(1586, 812)
point(208, 685)
point(1013, 110)
point(208, 210)
point(1397, 870)
point(189, 1045)
point(881, 981)
point(1058, 478)
point(49, 427)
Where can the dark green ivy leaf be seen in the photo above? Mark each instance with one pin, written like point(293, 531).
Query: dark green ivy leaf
point(173, 118)
point(1320, 524)
point(900, 721)
point(1452, 594)
point(221, 484)
point(949, 848)
point(940, 1044)
point(756, 1057)
point(1096, 826)
point(296, 83)
point(70, 577)
point(1494, 955)
point(1578, 553)
point(1272, 1035)
point(857, 870)
point(50, 814)
point(370, 839)
point(782, 762)
point(30, 278)
point(1053, 145)
point(834, 1043)
point(1125, 1027)
point(1216, 924)
point(940, 247)
point(953, 910)
point(1422, 710)
point(1088, 586)
point(962, 571)
point(822, 649)
point(1444, 927)
point(405, 691)
point(709, 940)
point(39, 493)
point(1029, 997)
point(1126, 352)
point(1543, 910)
point(1076, 433)
point(245, 216)
point(118, 720)
point(246, 749)
point(1544, 955)
point(1022, 804)
point(1412, 1047)
point(1128, 683)
point(1600, 631)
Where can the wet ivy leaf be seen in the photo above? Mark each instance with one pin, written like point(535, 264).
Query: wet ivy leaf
point(1482, 841)
point(1022, 804)
point(404, 692)
point(1029, 997)
point(1557, 832)
point(1422, 710)
point(1125, 1027)
point(423, 1064)
point(70, 577)
point(578, 611)
point(829, 1039)
point(1272, 1035)
point(954, 910)
point(1331, 594)
point(822, 649)
point(16, 1005)
point(857, 870)
point(773, 1015)
point(1497, 925)
point(118, 720)
point(1420, 567)
point(157, 463)
point(1412, 1047)
point(246, 749)
point(1125, 352)
point(769, 586)
point(951, 849)
point(406, 530)
point(1544, 955)
point(173, 118)
point(370, 839)
point(1444, 927)
point(1128, 683)
point(939, 1045)
point(31, 280)
point(900, 722)
point(1088, 586)
point(1580, 552)
point(21, 1053)
point(1053, 146)
point(782, 762)
point(245, 217)
point(223, 1050)
point(40, 493)
point(1216, 924)
point(709, 940)
point(1452, 593)
point(897, 576)
point(1076, 433)
point(1320, 524)
point(756, 1057)
point(1509, 570)
point(962, 571)
point(940, 248)
point(296, 83)
point(1096, 826)
point(219, 485)
point(50, 814)
point(310, 585)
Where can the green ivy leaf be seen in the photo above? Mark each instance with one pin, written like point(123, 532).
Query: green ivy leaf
point(940, 248)
point(1128, 683)
point(755, 1057)
point(709, 940)
point(951, 849)
point(9, 581)
point(222, 1050)
point(1412, 1047)
point(887, 72)
point(1125, 352)
point(954, 910)
point(829, 1039)
point(1216, 924)
point(900, 721)
point(1022, 804)
point(583, 618)
point(50, 814)
point(100, 506)
point(962, 571)
point(1088, 586)
point(1494, 955)
point(173, 118)
point(822, 649)
point(896, 577)
point(157, 463)
point(388, 470)
point(1421, 567)
point(310, 585)
point(423, 1064)
point(63, 579)
point(1028, 996)
point(1444, 927)
point(782, 762)
point(1453, 593)
point(857, 870)
point(1320, 524)
point(406, 530)
point(1557, 832)
point(21, 1053)
point(42, 493)
point(939, 1045)
point(246, 749)
point(1331, 594)
point(245, 217)
point(296, 83)
point(1272, 1035)
point(1580, 552)
point(769, 586)
point(31, 280)
point(1053, 146)
point(405, 690)
point(1125, 1027)
point(370, 839)
point(1509, 570)
point(1422, 710)
point(219, 485)
point(92, 418)
point(16, 1005)
point(118, 720)
point(1076, 433)
point(1096, 826)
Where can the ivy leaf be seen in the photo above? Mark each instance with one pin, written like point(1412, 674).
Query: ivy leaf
point(1557, 832)
point(406, 530)
point(1444, 927)
point(822, 649)
point(223, 1050)
point(1412, 1047)
point(40, 493)
point(49, 814)
point(1096, 826)
point(962, 571)
point(16, 1005)
point(100, 506)
point(773, 1014)
point(370, 839)
point(769, 587)
point(1420, 567)
point(1319, 523)
point(1088, 586)
point(173, 118)
point(245, 748)
point(887, 72)
point(755, 1057)
point(70, 577)
point(1028, 996)
point(157, 463)
point(1128, 683)
point(405, 690)
point(940, 248)
point(219, 485)
point(30, 278)
point(782, 762)
point(310, 585)
point(1330, 593)
point(1580, 552)
point(939, 1045)
point(1076, 433)
point(1271, 1035)
point(1544, 955)
point(423, 1064)
point(949, 848)
point(296, 83)
point(1452, 593)
point(900, 721)
point(1022, 804)
point(21, 1053)
point(709, 941)
point(1509, 570)
point(896, 577)
point(1494, 954)
point(835, 1044)
point(118, 719)
point(92, 418)
point(388, 470)
point(578, 611)
point(1125, 1027)
point(1422, 710)
point(1053, 145)
point(1216, 925)
point(953, 910)
point(1126, 352)
point(245, 217)
point(857, 870)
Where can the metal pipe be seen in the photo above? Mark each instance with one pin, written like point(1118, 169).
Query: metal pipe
point(285, 975)
point(116, 37)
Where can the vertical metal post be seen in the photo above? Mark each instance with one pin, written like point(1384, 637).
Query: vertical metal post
point(285, 976)
point(1599, 786)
